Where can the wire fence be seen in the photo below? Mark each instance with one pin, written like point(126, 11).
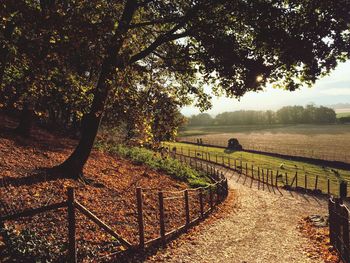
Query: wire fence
point(305, 149)
point(297, 181)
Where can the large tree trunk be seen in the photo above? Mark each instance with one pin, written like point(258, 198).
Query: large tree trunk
point(26, 120)
point(73, 166)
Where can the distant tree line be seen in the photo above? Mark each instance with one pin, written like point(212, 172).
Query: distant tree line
point(310, 114)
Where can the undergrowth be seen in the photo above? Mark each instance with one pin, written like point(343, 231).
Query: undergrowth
point(174, 168)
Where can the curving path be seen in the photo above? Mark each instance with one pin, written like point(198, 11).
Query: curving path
point(262, 227)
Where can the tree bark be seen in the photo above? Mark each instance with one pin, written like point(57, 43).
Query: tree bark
point(26, 120)
point(73, 166)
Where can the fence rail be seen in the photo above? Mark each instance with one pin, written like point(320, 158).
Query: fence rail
point(216, 192)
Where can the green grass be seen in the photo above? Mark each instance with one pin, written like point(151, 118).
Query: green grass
point(343, 114)
point(272, 163)
point(172, 167)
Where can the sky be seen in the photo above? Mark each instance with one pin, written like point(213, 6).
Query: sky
point(329, 90)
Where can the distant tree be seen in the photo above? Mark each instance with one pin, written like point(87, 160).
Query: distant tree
point(285, 115)
point(202, 119)
point(325, 115)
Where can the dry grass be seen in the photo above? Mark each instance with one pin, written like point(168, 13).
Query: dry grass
point(327, 142)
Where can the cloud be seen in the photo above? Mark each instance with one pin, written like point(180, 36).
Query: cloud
point(336, 91)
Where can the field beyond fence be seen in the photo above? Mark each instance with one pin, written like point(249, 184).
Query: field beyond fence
point(296, 180)
point(324, 142)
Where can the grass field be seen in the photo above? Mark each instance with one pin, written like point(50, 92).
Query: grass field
point(272, 163)
point(343, 114)
point(327, 142)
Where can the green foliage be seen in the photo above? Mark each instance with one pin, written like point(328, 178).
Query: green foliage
point(154, 160)
point(148, 116)
point(27, 245)
point(110, 47)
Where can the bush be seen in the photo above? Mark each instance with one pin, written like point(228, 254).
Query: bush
point(154, 160)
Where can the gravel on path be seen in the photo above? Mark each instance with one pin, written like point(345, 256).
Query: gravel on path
point(262, 227)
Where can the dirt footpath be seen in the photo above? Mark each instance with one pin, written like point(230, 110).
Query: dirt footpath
point(262, 227)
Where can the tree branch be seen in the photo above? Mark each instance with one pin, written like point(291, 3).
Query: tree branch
point(168, 36)
point(156, 22)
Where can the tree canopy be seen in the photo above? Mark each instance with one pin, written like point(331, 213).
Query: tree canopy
point(86, 52)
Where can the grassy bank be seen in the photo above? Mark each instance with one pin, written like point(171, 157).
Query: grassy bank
point(172, 167)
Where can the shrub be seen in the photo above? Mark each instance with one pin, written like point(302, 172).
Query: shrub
point(154, 160)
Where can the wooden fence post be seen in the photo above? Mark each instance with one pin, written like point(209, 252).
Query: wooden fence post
point(235, 164)
point(140, 217)
point(316, 182)
point(277, 174)
point(211, 198)
point(305, 182)
point(161, 218)
point(252, 172)
point(328, 186)
point(246, 169)
point(337, 221)
point(331, 219)
point(267, 175)
point(271, 181)
point(345, 234)
point(226, 186)
point(187, 208)
point(240, 162)
point(263, 178)
point(201, 206)
point(286, 179)
point(72, 246)
point(296, 179)
point(217, 193)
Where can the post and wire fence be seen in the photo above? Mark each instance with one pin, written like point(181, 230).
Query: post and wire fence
point(297, 180)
